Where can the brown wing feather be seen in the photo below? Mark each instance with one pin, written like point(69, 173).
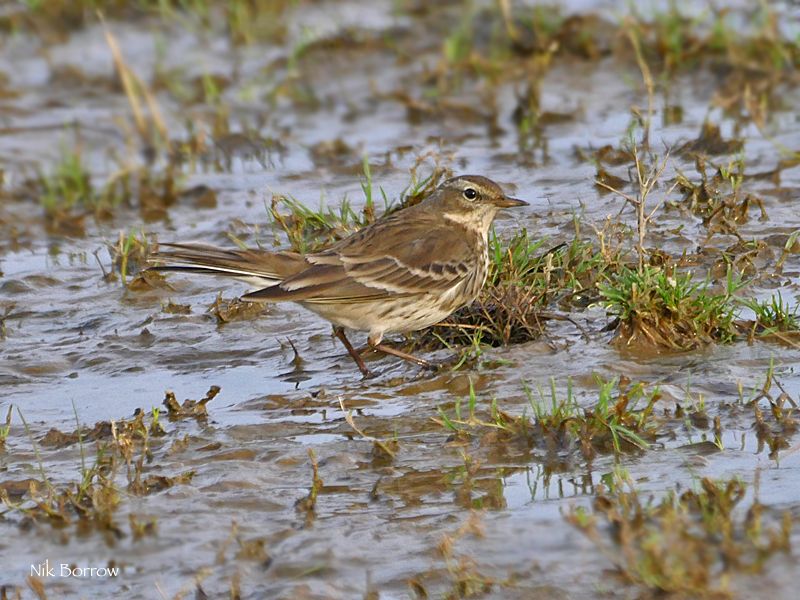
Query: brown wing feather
point(387, 259)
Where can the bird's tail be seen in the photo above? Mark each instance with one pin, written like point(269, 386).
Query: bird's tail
point(260, 265)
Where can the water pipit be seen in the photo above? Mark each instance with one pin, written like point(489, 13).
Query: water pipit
point(407, 271)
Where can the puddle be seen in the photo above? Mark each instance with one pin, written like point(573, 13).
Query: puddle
point(380, 522)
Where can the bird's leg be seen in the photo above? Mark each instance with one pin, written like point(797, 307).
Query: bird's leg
point(375, 344)
point(339, 333)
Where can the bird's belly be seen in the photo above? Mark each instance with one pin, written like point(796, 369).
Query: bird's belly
point(391, 315)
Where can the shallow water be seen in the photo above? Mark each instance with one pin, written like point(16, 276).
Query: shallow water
point(76, 344)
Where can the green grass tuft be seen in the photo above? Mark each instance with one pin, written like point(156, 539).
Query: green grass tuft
point(669, 311)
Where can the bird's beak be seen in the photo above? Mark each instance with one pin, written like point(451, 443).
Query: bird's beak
point(507, 202)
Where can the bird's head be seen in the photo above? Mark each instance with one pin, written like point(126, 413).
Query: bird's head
point(471, 200)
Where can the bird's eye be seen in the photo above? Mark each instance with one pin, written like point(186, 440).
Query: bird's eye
point(470, 194)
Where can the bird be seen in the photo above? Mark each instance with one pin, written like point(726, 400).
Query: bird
point(404, 272)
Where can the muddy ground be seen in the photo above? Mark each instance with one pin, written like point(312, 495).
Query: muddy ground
point(277, 492)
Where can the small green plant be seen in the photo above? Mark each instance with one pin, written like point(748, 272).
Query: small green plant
point(92, 499)
point(308, 230)
point(457, 46)
point(368, 212)
point(307, 506)
point(721, 198)
point(619, 421)
point(68, 186)
point(733, 173)
point(688, 543)
point(67, 193)
point(523, 282)
point(6, 429)
point(122, 449)
point(613, 424)
point(669, 311)
point(464, 423)
point(774, 314)
point(129, 253)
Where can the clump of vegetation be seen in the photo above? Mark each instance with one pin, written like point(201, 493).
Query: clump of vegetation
point(126, 445)
point(620, 420)
point(775, 426)
point(774, 315)
point(691, 543)
point(67, 194)
point(711, 143)
point(6, 429)
point(676, 42)
point(464, 576)
point(523, 279)
point(229, 310)
point(718, 199)
point(195, 409)
point(248, 21)
point(523, 282)
point(244, 21)
point(308, 230)
point(660, 310)
point(94, 498)
point(307, 505)
point(128, 255)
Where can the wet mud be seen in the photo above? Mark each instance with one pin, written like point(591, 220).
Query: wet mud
point(206, 448)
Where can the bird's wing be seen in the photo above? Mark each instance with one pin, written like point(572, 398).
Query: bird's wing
point(388, 259)
point(202, 258)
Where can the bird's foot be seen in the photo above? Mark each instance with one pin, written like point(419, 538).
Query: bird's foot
point(404, 355)
point(367, 374)
point(443, 363)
